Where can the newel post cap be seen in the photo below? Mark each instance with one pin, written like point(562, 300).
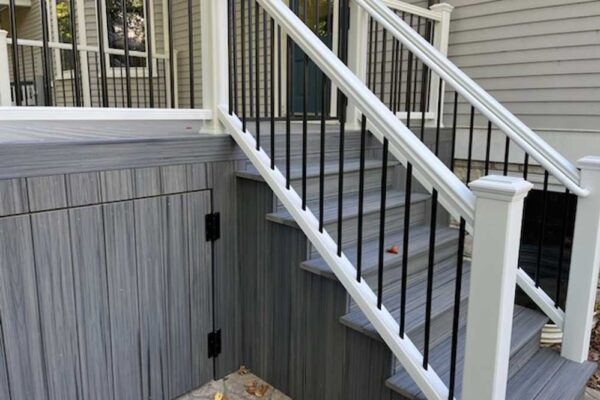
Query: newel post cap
point(442, 7)
point(502, 188)
point(3, 33)
point(590, 163)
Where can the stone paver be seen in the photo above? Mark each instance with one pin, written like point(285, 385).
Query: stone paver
point(233, 387)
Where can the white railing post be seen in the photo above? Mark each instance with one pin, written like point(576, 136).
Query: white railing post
point(441, 42)
point(497, 232)
point(585, 264)
point(215, 67)
point(5, 97)
point(357, 55)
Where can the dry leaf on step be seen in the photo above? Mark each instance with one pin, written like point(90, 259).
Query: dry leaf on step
point(262, 390)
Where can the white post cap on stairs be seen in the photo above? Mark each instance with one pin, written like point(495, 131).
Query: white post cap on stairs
point(5, 96)
point(498, 187)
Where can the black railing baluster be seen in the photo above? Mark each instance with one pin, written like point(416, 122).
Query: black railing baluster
point(322, 154)
point(425, 85)
point(137, 87)
point(405, 243)
point(47, 74)
point(243, 4)
point(416, 71)
point(75, 54)
point(488, 146)
point(257, 74)
point(456, 316)
point(561, 252)
point(12, 13)
point(470, 154)
point(172, 82)
point(439, 118)
point(343, 105)
point(408, 88)
point(126, 50)
point(538, 268)
point(430, 271)
point(251, 58)
point(280, 71)
point(382, 223)
point(289, 105)
point(361, 197)
point(35, 86)
point(265, 65)
point(122, 85)
point(62, 78)
point(526, 168)
point(394, 75)
point(506, 155)
point(25, 77)
point(375, 45)
point(372, 50)
point(234, 56)
point(383, 60)
point(454, 120)
point(272, 87)
point(191, 51)
point(230, 54)
point(304, 116)
point(398, 99)
point(149, 59)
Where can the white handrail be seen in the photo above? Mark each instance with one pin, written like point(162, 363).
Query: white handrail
point(556, 164)
point(454, 195)
point(412, 9)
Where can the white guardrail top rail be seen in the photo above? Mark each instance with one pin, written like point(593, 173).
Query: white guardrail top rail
point(454, 195)
point(557, 165)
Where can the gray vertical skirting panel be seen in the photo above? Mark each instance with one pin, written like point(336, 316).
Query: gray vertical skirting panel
point(149, 218)
point(147, 182)
point(83, 189)
point(227, 274)
point(367, 366)
point(123, 299)
point(20, 313)
point(117, 185)
point(178, 297)
point(200, 259)
point(197, 178)
point(4, 383)
point(173, 178)
point(47, 192)
point(91, 291)
point(57, 304)
point(13, 197)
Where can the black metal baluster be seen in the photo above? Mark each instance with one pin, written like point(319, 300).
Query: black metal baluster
point(122, 85)
point(272, 87)
point(12, 12)
point(405, 242)
point(375, 45)
point(62, 77)
point(35, 86)
point(137, 87)
point(538, 268)
point(304, 116)
point(425, 86)
point(430, 271)
point(74, 53)
point(47, 74)
point(149, 59)
point(408, 88)
point(398, 99)
point(288, 116)
point(172, 82)
point(382, 223)
point(488, 145)
point(191, 51)
point(393, 75)
point(383, 60)
point(322, 152)
point(456, 317)
point(257, 74)
point(372, 50)
point(439, 118)
point(144, 79)
point(126, 49)
point(361, 197)
point(234, 56)
point(506, 155)
point(25, 77)
point(265, 65)
point(470, 155)
point(243, 39)
point(251, 59)
point(341, 173)
point(280, 71)
point(561, 253)
point(454, 118)
point(416, 71)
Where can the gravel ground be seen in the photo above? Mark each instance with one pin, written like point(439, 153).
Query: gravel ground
point(233, 386)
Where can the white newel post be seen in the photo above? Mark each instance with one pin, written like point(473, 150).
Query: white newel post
point(441, 42)
point(585, 264)
point(4, 71)
point(215, 67)
point(497, 232)
point(357, 55)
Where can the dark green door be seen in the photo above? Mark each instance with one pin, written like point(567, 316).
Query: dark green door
point(317, 14)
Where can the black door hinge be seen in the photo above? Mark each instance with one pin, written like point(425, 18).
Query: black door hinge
point(213, 226)
point(214, 344)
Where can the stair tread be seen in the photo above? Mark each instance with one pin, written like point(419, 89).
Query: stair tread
point(442, 298)
point(313, 169)
point(526, 324)
point(418, 243)
point(395, 198)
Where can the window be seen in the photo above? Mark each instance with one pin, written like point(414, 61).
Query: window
point(136, 31)
point(64, 33)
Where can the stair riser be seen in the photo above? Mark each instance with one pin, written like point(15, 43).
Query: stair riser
point(351, 183)
point(394, 221)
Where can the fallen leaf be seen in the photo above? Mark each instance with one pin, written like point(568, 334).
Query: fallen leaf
point(262, 390)
point(393, 249)
point(243, 370)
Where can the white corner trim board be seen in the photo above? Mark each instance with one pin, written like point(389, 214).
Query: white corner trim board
point(100, 114)
point(410, 357)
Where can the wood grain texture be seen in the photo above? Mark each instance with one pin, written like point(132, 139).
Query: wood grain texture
point(4, 381)
point(117, 185)
point(20, 311)
point(56, 294)
point(47, 192)
point(147, 182)
point(83, 189)
point(91, 292)
point(13, 197)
